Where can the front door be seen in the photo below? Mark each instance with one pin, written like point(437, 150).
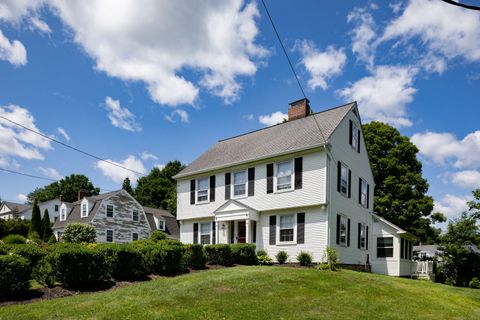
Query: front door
point(242, 234)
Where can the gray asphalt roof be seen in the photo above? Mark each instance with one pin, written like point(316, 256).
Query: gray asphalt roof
point(19, 207)
point(171, 224)
point(282, 138)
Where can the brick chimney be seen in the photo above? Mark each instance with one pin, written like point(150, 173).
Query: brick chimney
point(82, 194)
point(298, 109)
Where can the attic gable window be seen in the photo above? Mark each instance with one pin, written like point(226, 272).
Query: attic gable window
point(63, 214)
point(239, 183)
point(202, 187)
point(109, 210)
point(284, 175)
point(135, 215)
point(84, 210)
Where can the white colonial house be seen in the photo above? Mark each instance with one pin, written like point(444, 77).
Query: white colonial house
point(12, 210)
point(301, 185)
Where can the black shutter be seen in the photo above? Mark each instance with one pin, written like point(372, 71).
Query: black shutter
point(232, 231)
point(358, 141)
point(360, 190)
point(298, 173)
point(214, 233)
point(273, 230)
point(366, 238)
point(359, 234)
point(350, 137)
point(212, 188)
point(251, 182)
point(349, 183)
point(270, 178)
point(195, 233)
point(254, 227)
point(227, 186)
point(338, 229)
point(301, 227)
point(368, 196)
point(348, 233)
point(339, 176)
point(192, 191)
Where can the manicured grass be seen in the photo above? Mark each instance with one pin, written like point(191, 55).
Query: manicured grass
point(264, 293)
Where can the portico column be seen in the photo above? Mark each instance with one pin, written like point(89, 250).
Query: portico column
point(247, 231)
point(217, 233)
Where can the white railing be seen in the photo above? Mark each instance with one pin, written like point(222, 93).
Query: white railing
point(423, 267)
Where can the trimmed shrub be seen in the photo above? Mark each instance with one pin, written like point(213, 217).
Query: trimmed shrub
point(219, 254)
point(262, 253)
point(474, 283)
point(15, 273)
point(282, 256)
point(160, 257)
point(74, 266)
point(304, 258)
point(194, 257)
point(14, 226)
point(14, 239)
point(122, 262)
point(52, 240)
point(158, 235)
point(264, 260)
point(34, 237)
point(244, 253)
point(79, 232)
point(3, 249)
point(43, 273)
point(31, 252)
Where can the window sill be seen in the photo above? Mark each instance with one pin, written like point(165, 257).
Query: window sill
point(284, 190)
point(243, 196)
point(203, 202)
point(286, 244)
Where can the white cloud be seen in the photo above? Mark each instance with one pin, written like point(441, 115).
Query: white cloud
point(363, 35)
point(442, 147)
point(117, 174)
point(182, 114)
point(8, 163)
point(12, 11)
point(40, 25)
point(248, 117)
point(63, 133)
point(321, 65)
point(452, 206)
point(446, 31)
point(121, 117)
point(384, 95)
point(159, 166)
point(148, 156)
point(22, 198)
point(272, 119)
point(16, 141)
point(12, 51)
point(51, 173)
point(468, 179)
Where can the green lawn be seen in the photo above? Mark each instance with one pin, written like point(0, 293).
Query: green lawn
point(264, 293)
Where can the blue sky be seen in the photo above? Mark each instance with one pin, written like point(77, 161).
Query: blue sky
point(145, 82)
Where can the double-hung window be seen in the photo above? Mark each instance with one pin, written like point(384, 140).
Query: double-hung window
point(287, 226)
point(202, 193)
point(109, 210)
point(84, 210)
point(56, 208)
point(362, 237)
point(135, 215)
point(355, 137)
point(134, 236)
point(385, 247)
point(344, 180)
point(284, 175)
point(63, 214)
point(109, 235)
point(239, 183)
point(205, 233)
point(161, 225)
point(343, 231)
point(363, 192)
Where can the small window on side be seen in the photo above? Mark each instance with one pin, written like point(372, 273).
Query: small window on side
point(343, 231)
point(135, 215)
point(385, 247)
point(109, 235)
point(205, 229)
point(109, 210)
point(134, 236)
point(287, 225)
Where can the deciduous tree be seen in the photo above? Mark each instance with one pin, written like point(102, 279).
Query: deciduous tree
point(66, 188)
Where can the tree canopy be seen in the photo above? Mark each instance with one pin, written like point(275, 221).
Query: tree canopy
point(127, 186)
point(400, 189)
point(66, 188)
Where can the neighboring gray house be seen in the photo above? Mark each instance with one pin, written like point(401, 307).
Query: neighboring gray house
point(12, 210)
point(116, 216)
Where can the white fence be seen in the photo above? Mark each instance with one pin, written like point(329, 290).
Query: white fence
point(423, 267)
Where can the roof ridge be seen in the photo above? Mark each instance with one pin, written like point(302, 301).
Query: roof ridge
point(279, 124)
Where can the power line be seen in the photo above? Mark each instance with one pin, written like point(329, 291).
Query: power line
point(71, 147)
point(283, 48)
point(466, 6)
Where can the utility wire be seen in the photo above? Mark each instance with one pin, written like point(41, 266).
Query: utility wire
point(73, 148)
point(466, 6)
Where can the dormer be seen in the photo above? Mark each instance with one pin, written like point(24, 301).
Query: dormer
point(63, 212)
point(84, 208)
point(159, 223)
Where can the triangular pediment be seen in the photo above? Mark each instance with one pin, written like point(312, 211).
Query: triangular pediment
point(233, 206)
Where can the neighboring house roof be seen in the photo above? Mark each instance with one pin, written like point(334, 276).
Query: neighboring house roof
point(291, 136)
point(427, 248)
point(171, 224)
point(74, 214)
point(16, 206)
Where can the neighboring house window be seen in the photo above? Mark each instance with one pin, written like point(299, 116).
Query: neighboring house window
point(134, 236)
point(109, 210)
point(344, 180)
point(343, 231)
point(202, 193)
point(56, 208)
point(161, 225)
point(363, 192)
point(287, 225)
point(385, 247)
point(63, 214)
point(205, 233)
point(362, 237)
point(109, 235)
point(239, 183)
point(135, 215)
point(84, 210)
point(355, 137)
point(284, 175)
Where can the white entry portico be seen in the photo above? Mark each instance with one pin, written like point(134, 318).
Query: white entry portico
point(236, 223)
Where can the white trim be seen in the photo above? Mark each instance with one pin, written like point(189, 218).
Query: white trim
point(84, 205)
point(209, 223)
point(294, 241)
point(275, 173)
point(197, 189)
point(63, 212)
point(232, 189)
